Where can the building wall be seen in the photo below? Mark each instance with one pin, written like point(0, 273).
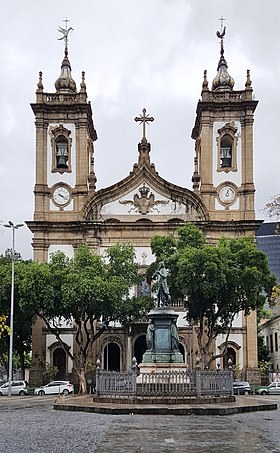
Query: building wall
point(270, 330)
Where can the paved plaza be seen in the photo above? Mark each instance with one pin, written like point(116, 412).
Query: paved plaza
point(33, 426)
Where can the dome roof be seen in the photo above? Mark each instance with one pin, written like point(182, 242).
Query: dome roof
point(223, 81)
point(65, 83)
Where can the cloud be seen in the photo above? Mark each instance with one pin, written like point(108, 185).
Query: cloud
point(148, 54)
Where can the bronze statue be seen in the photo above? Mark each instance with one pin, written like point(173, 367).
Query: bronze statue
point(150, 335)
point(174, 336)
point(163, 295)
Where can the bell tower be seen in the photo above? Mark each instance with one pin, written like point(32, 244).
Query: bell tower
point(65, 137)
point(223, 134)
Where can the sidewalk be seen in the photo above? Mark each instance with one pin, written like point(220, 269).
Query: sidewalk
point(86, 404)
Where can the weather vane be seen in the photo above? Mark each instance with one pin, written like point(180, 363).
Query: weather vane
point(143, 119)
point(65, 32)
point(222, 31)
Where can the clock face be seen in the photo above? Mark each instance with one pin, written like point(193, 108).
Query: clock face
point(61, 196)
point(227, 194)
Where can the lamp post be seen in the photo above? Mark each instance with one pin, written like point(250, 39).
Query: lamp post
point(14, 227)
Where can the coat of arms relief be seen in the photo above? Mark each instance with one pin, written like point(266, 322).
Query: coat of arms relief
point(144, 203)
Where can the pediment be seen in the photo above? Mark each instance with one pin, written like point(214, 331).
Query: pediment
point(144, 195)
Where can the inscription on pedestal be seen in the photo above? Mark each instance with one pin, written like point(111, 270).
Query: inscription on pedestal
point(162, 339)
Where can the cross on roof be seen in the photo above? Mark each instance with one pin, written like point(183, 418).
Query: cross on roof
point(65, 32)
point(66, 22)
point(143, 119)
point(222, 24)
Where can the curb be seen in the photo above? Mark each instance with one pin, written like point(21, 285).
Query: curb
point(163, 410)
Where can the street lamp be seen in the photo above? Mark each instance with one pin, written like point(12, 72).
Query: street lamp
point(14, 227)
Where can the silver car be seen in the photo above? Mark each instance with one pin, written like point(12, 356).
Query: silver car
point(17, 388)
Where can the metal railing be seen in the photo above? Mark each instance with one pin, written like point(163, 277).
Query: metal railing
point(165, 384)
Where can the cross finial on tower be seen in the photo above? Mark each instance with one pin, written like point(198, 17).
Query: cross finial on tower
point(222, 25)
point(66, 22)
point(143, 119)
point(65, 32)
point(222, 32)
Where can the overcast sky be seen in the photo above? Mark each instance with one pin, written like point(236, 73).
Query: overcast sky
point(135, 54)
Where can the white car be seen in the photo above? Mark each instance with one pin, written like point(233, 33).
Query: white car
point(55, 387)
point(17, 388)
point(271, 389)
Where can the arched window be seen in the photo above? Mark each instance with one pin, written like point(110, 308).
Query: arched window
point(227, 148)
point(61, 149)
point(226, 151)
point(61, 152)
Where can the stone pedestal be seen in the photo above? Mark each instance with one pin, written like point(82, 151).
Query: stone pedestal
point(162, 338)
point(152, 368)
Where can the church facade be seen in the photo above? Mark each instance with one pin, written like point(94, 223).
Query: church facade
point(69, 211)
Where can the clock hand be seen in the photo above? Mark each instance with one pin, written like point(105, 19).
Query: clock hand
point(62, 196)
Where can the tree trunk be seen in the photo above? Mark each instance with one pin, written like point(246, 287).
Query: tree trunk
point(22, 364)
point(83, 382)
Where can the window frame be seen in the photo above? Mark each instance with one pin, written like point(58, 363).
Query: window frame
point(58, 132)
point(228, 130)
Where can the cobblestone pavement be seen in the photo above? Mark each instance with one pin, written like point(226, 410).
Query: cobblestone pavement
point(30, 427)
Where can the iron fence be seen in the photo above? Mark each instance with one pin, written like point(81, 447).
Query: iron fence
point(165, 384)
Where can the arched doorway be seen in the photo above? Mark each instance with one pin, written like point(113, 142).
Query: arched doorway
point(182, 350)
point(111, 357)
point(59, 360)
point(140, 347)
point(231, 354)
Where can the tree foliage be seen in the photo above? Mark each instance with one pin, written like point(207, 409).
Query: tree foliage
point(87, 292)
point(3, 325)
point(272, 208)
point(217, 282)
point(263, 351)
point(23, 318)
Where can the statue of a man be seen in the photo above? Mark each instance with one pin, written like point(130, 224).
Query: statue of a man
point(163, 290)
point(150, 335)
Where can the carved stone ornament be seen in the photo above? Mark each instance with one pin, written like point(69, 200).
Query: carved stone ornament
point(143, 203)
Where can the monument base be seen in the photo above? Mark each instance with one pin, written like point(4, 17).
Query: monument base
point(162, 337)
point(151, 357)
point(152, 368)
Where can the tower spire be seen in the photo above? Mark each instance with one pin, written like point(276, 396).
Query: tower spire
point(65, 32)
point(65, 82)
point(223, 81)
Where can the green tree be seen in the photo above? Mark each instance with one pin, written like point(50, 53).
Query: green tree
point(263, 351)
point(23, 318)
point(272, 208)
point(88, 292)
point(3, 325)
point(217, 282)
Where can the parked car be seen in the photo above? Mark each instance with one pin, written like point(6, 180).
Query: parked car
point(271, 389)
point(241, 388)
point(55, 387)
point(17, 388)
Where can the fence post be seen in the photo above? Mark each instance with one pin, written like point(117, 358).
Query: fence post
point(97, 377)
point(134, 377)
point(198, 377)
point(231, 375)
